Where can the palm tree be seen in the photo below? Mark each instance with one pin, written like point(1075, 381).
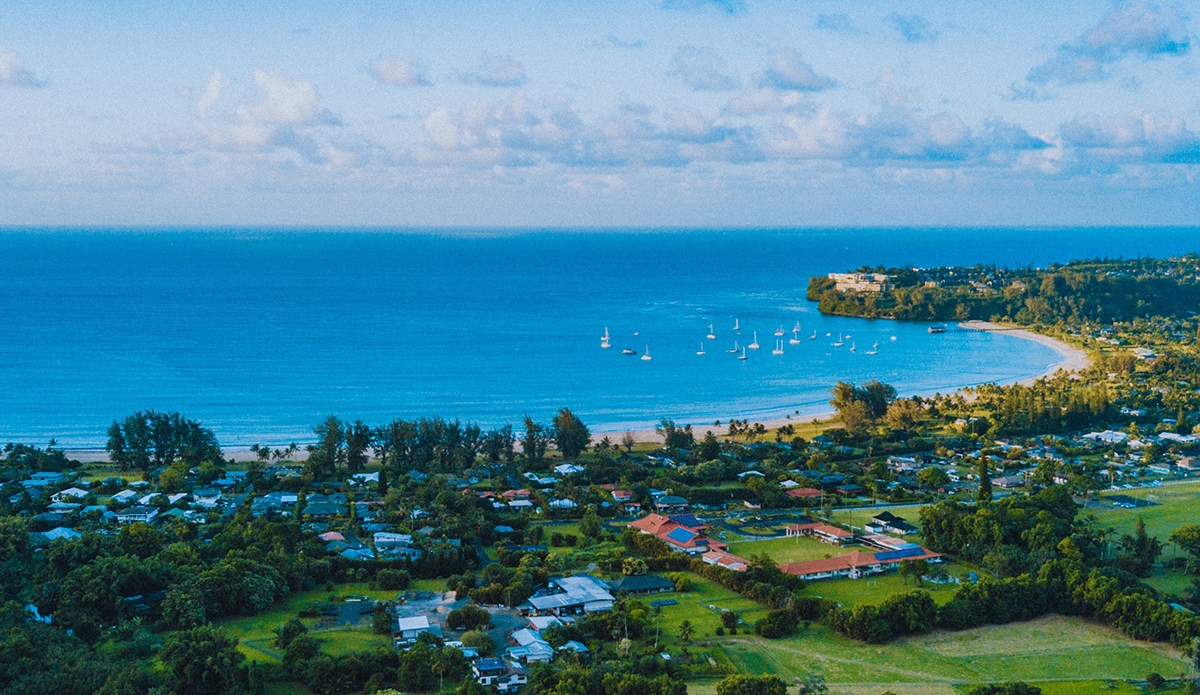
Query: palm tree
point(686, 630)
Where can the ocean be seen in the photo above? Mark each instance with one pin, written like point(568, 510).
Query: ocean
point(261, 333)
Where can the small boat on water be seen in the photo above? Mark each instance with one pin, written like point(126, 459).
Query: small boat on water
point(839, 342)
point(604, 341)
point(778, 348)
point(795, 339)
point(779, 331)
point(754, 345)
point(710, 335)
point(852, 347)
point(937, 329)
point(735, 348)
point(813, 336)
point(874, 350)
point(743, 355)
point(893, 337)
point(797, 328)
point(701, 350)
point(629, 350)
point(646, 357)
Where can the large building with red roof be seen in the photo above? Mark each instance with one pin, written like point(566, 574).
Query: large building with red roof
point(685, 533)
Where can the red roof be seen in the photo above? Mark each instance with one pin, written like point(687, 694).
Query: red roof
point(806, 493)
point(660, 526)
point(827, 530)
point(846, 562)
point(621, 495)
point(803, 527)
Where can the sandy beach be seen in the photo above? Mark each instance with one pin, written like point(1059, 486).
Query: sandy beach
point(1073, 359)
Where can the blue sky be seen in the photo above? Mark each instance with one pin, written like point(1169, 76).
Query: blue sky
point(568, 113)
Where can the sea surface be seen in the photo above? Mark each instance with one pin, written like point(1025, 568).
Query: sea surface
point(261, 333)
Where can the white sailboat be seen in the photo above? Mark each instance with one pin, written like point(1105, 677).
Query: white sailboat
point(852, 347)
point(646, 357)
point(629, 350)
point(754, 345)
point(735, 348)
point(711, 335)
point(797, 328)
point(743, 355)
point(604, 341)
point(736, 328)
point(795, 339)
point(779, 331)
point(701, 350)
point(813, 336)
point(874, 349)
point(778, 348)
point(839, 342)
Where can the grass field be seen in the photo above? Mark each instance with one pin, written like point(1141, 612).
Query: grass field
point(1175, 506)
point(784, 550)
point(257, 637)
point(694, 606)
point(1050, 648)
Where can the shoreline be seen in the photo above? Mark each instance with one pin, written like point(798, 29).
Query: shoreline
point(1074, 359)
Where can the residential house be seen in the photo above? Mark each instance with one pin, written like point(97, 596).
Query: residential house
point(831, 534)
point(531, 648)
point(886, 522)
point(805, 493)
point(581, 594)
point(643, 585)
point(407, 629)
point(137, 514)
point(856, 564)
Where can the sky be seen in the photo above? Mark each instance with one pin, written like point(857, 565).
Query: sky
point(576, 113)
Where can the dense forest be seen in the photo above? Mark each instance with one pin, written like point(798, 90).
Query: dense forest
point(1097, 291)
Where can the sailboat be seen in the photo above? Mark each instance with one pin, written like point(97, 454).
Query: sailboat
point(735, 348)
point(629, 350)
point(779, 331)
point(839, 342)
point(710, 335)
point(743, 355)
point(701, 350)
point(646, 357)
point(754, 345)
point(604, 341)
point(797, 328)
point(736, 328)
point(874, 349)
point(778, 348)
point(795, 339)
point(813, 336)
point(852, 347)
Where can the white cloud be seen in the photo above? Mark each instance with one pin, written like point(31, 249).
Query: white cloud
point(13, 74)
point(401, 73)
point(1142, 29)
point(212, 92)
point(1142, 137)
point(497, 71)
point(702, 70)
point(789, 71)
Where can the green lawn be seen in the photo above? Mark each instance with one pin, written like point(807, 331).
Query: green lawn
point(851, 592)
point(1048, 648)
point(257, 636)
point(1175, 506)
point(784, 550)
point(694, 607)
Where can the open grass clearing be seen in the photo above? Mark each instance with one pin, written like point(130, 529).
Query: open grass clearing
point(1053, 647)
point(784, 550)
point(703, 606)
point(1174, 506)
point(878, 588)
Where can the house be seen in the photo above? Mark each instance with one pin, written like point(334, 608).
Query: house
point(206, 497)
point(71, 493)
point(385, 540)
point(137, 514)
point(1008, 482)
point(568, 468)
point(531, 648)
point(124, 496)
point(1188, 463)
point(902, 464)
point(725, 559)
point(60, 533)
point(805, 493)
point(886, 522)
point(407, 629)
point(685, 535)
point(519, 494)
point(570, 596)
point(856, 564)
point(832, 534)
point(324, 510)
point(147, 499)
point(416, 476)
point(848, 490)
point(1107, 437)
point(521, 505)
point(643, 585)
point(564, 503)
point(802, 528)
point(670, 503)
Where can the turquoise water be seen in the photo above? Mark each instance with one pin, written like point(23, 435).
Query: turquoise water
point(261, 333)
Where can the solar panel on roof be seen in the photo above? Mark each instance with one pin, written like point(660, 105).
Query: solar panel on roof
point(688, 520)
point(681, 535)
point(899, 554)
point(664, 602)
